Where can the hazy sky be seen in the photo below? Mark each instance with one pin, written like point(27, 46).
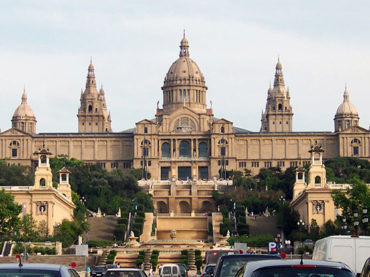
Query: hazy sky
point(46, 47)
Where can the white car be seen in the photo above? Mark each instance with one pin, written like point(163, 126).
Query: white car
point(294, 268)
point(170, 270)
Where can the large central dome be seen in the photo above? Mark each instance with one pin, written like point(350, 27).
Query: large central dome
point(184, 84)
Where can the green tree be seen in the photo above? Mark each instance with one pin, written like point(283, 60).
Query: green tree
point(15, 175)
point(68, 232)
point(353, 199)
point(9, 211)
point(287, 219)
point(27, 230)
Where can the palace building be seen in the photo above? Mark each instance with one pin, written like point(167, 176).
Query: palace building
point(185, 140)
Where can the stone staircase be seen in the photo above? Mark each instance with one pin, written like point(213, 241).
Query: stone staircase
point(102, 228)
point(262, 225)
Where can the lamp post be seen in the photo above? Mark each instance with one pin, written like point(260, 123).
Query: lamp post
point(356, 222)
point(145, 153)
point(365, 219)
point(223, 162)
point(344, 225)
point(301, 224)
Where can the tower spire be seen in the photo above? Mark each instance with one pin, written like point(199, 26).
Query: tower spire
point(345, 94)
point(184, 47)
point(279, 78)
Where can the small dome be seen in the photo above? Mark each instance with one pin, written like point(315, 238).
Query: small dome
point(346, 108)
point(24, 110)
point(184, 70)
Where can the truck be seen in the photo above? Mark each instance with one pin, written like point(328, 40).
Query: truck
point(351, 250)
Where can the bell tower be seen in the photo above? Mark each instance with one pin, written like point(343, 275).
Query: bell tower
point(92, 114)
point(43, 175)
point(278, 115)
point(317, 172)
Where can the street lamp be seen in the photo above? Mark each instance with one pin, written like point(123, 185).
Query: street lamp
point(83, 200)
point(300, 224)
point(356, 221)
point(344, 225)
point(365, 219)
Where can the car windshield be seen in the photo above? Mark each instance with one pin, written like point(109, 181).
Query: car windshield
point(28, 273)
point(99, 268)
point(210, 269)
point(302, 272)
point(122, 274)
point(231, 266)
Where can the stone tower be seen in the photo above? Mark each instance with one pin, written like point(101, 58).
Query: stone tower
point(184, 84)
point(278, 115)
point(346, 115)
point(43, 175)
point(23, 117)
point(64, 187)
point(92, 114)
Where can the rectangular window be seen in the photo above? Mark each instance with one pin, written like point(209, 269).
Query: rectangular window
point(355, 150)
point(281, 163)
point(126, 164)
point(293, 164)
point(255, 164)
point(149, 163)
point(242, 164)
point(268, 164)
point(14, 153)
point(165, 173)
point(219, 162)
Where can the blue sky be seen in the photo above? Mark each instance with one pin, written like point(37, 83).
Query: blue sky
point(46, 47)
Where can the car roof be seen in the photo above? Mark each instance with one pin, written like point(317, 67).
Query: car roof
point(254, 265)
point(231, 256)
point(210, 265)
point(124, 269)
point(54, 267)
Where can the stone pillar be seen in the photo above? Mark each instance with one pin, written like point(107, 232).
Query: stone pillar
point(191, 259)
point(147, 256)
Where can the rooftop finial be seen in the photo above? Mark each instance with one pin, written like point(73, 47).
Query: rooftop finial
point(184, 47)
point(346, 94)
point(24, 95)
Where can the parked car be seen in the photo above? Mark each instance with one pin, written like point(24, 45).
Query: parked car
point(282, 268)
point(353, 251)
point(208, 270)
point(366, 269)
point(98, 271)
point(228, 265)
point(170, 270)
point(125, 272)
point(183, 270)
point(39, 270)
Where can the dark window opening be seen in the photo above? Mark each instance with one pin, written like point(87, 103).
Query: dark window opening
point(14, 152)
point(203, 150)
point(90, 108)
point(185, 149)
point(166, 150)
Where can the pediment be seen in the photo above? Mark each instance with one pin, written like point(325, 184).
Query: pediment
point(354, 129)
point(14, 132)
point(144, 121)
point(183, 111)
point(222, 121)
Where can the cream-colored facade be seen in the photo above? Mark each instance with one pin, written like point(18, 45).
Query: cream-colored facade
point(42, 200)
point(312, 199)
point(185, 140)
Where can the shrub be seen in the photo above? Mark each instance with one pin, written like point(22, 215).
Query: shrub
point(111, 256)
point(154, 258)
point(140, 258)
point(18, 248)
point(99, 243)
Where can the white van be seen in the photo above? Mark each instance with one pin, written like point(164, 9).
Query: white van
point(170, 270)
point(353, 251)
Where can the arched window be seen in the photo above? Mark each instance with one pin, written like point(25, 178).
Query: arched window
point(90, 108)
point(166, 150)
point(222, 129)
point(203, 150)
point(223, 151)
point(42, 182)
point(317, 180)
point(184, 149)
point(145, 145)
point(64, 177)
point(280, 107)
point(43, 159)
